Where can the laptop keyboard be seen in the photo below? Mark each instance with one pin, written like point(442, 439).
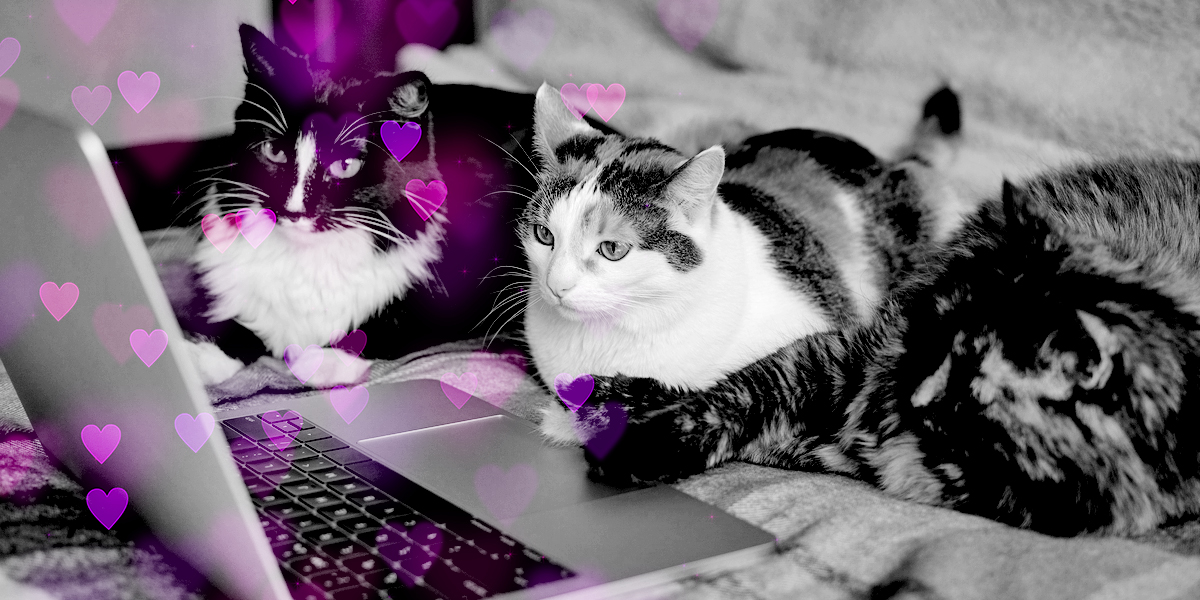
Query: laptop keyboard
point(345, 527)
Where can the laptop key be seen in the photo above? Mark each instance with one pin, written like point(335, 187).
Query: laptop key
point(333, 580)
point(257, 486)
point(331, 476)
point(334, 512)
point(398, 585)
point(285, 477)
point(319, 499)
point(389, 509)
point(357, 524)
point(294, 453)
point(367, 498)
point(248, 426)
point(284, 510)
point(286, 551)
point(399, 551)
point(274, 465)
point(269, 498)
point(314, 464)
point(356, 593)
point(311, 565)
point(302, 488)
point(343, 549)
point(303, 522)
point(239, 443)
point(323, 535)
point(350, 486)
point(277, 534)
point(311, 435)
point(380, 537)
point(448, 580)
point(364, 564)
point(346, 456)
point(484, 536)
point(327, 444)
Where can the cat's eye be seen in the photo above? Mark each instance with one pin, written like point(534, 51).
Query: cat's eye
point(614, 251)
point(543, 235)
point(345, 168)
point(270, 153)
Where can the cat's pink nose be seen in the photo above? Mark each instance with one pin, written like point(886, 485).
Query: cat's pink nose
point(559, 292)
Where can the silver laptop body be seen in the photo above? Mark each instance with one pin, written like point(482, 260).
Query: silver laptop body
point(64, 218)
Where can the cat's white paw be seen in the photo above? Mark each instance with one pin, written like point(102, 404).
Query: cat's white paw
point(558, 425)
point(340, 368)
point(213, 364)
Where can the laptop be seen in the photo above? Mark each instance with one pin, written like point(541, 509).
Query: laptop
point(286, 499)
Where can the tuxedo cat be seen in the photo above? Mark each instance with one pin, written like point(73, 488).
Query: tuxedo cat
point(649, 263)
point(349, 251)
point(1042, 368)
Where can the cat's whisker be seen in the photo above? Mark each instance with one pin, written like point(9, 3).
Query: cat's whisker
point(244, 186)
point(375, 222)
point(360, 122)
point(513, 301)
point(279, 117)
point(510, 155)
point(263, 123)
point(525, 196)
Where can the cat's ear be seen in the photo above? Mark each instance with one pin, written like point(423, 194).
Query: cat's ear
point(554, 123)
point(275, 68)
point(693, 185)
point(1021, 220)
point(410, 99)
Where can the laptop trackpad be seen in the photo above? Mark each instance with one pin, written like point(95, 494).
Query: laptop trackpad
point(495, 467)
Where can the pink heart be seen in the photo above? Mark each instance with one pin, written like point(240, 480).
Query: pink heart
point(352, 343)
point(349, 403)
point(74, 196)
point(113, 325)
point(506, 495)
point(280, 438)
point(522, 38)
point(255, 227)
point(311, 23)
point(10, 97)
point(425, 199)
point(220, 231)
point(688, 21)
point(138, 91)
point(59, 300)
point(91, 104)
point(400, 140)
point(85, 18)
point(459, 388)
point(574, 391)
point(10, 49)
point(101, 442)
point(429, 22)
point(576, 98)
point(606, 101)
point(303, 364)
point(108, 507)
point(148, 346)
point(194, 431)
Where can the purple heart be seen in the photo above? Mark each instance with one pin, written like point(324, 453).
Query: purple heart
point(10, 49)
point(351, 343)
point(429, 22)
point(400, 140)
point(574, 391)
point(282, 429)
point(194, 431)
point(101, 442)
point(107, 508)
point(607, 424)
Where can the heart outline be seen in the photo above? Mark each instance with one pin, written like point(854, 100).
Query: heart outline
point(195, 431)
point(453, 387)
point(304, 360)
point(100, 443)
point(112, 504)
point(91, 111)
point(148, 344)
point(57, 298)
point(227, 224)
point(602, 99)
point(346, 401)
point(426, 199)
point(131, 84)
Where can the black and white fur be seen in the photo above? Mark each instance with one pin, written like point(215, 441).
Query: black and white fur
point(1042, 368)
point(728, 257)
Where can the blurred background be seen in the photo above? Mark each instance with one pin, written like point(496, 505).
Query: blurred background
point(1043, 82)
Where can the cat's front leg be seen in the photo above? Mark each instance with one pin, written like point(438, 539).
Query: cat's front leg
point(211, 362)
point(337, 368)
point(640, 432)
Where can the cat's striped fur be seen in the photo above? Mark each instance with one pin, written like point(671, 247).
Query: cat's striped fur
point(729, 256)
point(1042, 369)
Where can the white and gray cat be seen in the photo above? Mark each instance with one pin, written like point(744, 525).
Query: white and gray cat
point(650, 263)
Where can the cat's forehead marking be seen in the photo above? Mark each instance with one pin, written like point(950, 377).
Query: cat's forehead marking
point(306, 158)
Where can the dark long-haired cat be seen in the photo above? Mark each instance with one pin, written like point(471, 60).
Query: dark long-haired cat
point(650, 263)
point(349, 249)
point(1041, 369)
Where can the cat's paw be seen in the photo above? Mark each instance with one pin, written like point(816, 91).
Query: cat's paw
point(649, 443)
point(211, 362)
point(340, 368)
point(558, 425)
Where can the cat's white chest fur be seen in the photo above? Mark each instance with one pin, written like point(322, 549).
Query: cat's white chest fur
point(299, 287)
point(741, 310)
